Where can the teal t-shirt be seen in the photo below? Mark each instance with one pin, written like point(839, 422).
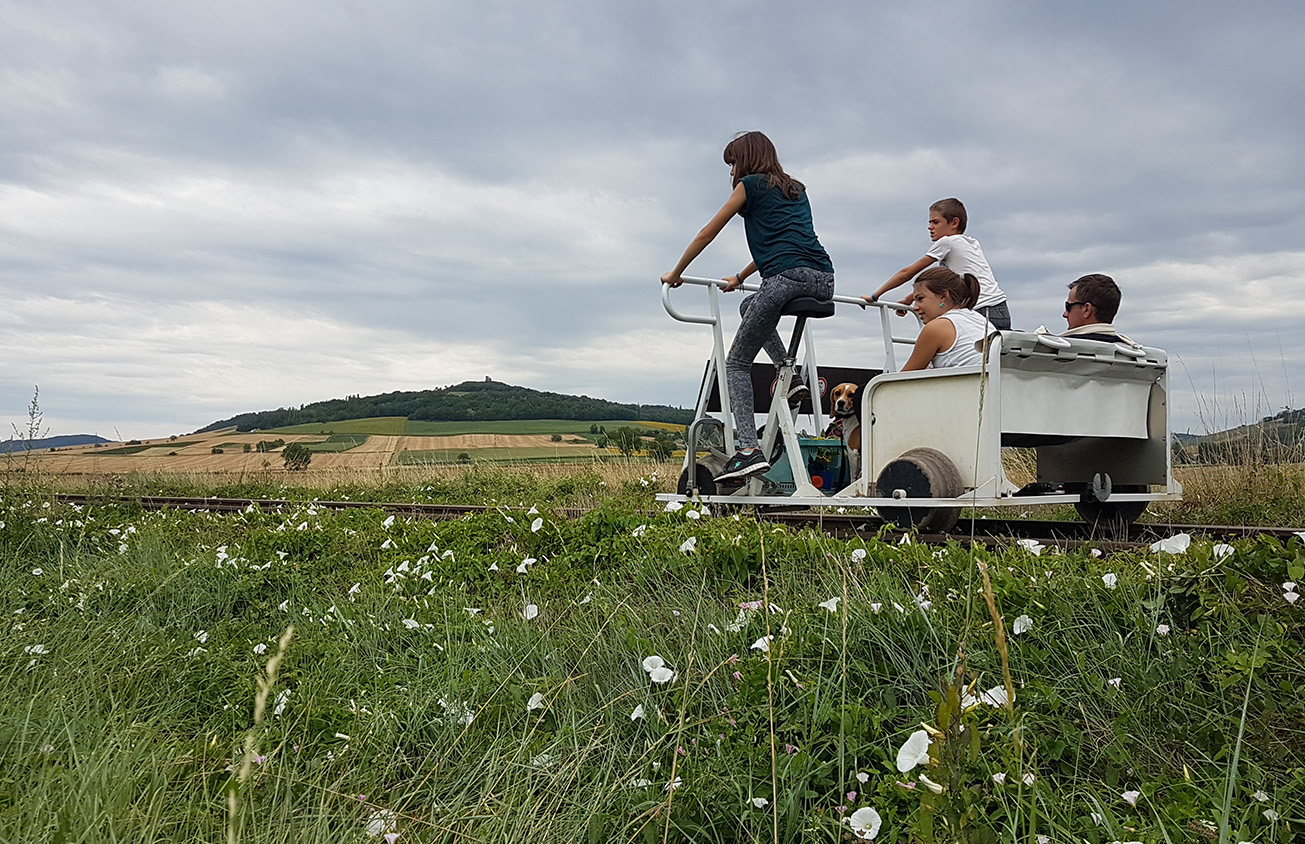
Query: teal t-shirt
point(780, 234)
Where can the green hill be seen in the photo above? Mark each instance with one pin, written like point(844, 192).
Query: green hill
point(1274, 439)
point(481, 401)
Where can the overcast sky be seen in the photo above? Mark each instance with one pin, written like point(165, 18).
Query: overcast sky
point(213, 208)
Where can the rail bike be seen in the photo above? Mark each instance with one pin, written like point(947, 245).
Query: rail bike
point(1094, 415)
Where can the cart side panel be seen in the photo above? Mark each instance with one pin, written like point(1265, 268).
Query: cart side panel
point(1127, 460)
point(936, 409)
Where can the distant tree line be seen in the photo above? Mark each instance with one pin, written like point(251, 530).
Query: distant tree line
point(482, 401)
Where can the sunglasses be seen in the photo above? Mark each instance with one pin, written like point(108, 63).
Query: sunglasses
point(1069, 306)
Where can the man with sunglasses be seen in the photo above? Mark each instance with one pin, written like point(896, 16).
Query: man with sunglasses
point(1091, 306)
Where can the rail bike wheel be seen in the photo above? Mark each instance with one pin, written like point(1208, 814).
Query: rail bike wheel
point(1105, 517)
point(921, 473)
point(704, 480)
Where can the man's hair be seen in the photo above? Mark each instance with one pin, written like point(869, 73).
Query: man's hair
point(753, 153)
point(1099, 290)
point(951, 209)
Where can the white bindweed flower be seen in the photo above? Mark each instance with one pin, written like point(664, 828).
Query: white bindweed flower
point(389, 543)
point(202, 637)
point(639, 531)
point(530, 612)
point(690, 545)
point(999, 778)
point(831, 604)
point(762, 644)
point(260, 648)
point(526, 564)
point(1110, 579)
point(637, 713)
point(36, 650)
point(1028, 779)
point(1291, 597)
point(875, 608)
point(1270, 815)
point(1097, 818)
point(865, 823)
point(692, 514)
point(1043, 839)
point(673, 507)
point(931, 785)
point(1176, 544)
point(760, 802)
point(863, 778)
point(536, 525)
point(411, 623)
point(278, 706)
point(1289, 586)
point(858, 555)
point(536, 702)
point(1221, 550)
point(1117, 682)
point(674, 784)
point(1033, 546)
point(914, 752)
point(1162, 629)
point(1131, 797)
point(652, 663)
point(1023, 624)
point(380, 822)
point(661, 675)
point(387, 522)
point(1260, 796)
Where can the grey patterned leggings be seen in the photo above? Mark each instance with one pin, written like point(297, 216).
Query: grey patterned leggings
point(761, 312)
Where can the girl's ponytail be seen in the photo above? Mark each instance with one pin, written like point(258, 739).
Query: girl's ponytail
point(971, 283)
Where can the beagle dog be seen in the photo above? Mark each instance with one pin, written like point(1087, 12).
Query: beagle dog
point(845, 423)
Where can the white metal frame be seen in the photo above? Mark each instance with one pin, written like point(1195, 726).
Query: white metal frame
point(1099, 370)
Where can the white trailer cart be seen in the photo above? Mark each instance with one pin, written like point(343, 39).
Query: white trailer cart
point(1096, 415)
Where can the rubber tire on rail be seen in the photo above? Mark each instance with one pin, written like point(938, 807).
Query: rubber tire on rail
point(922, 473)
point(1112, 518)
point(704, 477)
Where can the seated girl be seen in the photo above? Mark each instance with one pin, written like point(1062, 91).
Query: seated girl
point(944, 300)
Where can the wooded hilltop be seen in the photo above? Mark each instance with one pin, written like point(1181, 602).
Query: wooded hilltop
point(471, 400)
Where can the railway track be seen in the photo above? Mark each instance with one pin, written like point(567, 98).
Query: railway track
point(989, 531)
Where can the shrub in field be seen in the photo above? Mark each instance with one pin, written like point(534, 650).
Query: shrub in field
point(296, 456)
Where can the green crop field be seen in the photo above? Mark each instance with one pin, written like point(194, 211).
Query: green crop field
point(513, 455)
point(379, 425)
point(399, 426)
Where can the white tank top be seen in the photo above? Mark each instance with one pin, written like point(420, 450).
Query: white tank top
point(971, 327)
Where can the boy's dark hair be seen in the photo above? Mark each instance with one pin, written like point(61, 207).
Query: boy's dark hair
point(1099, 290)
point(963, 289)
point(753, 153)
point(952, 209)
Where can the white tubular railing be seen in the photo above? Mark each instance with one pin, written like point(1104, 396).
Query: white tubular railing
point(715, 285)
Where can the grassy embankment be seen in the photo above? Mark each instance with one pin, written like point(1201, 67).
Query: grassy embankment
point(1157, 696)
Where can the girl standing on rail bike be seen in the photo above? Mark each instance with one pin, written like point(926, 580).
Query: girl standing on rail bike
point(785, 250)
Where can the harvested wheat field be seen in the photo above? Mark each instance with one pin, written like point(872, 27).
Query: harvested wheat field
point(195, 453)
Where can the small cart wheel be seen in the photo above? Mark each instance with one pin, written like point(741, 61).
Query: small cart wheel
point(703, 480)
point(1111, 518)
point(921, 473)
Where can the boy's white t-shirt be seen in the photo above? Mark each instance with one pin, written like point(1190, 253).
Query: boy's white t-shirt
point(962, 254)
